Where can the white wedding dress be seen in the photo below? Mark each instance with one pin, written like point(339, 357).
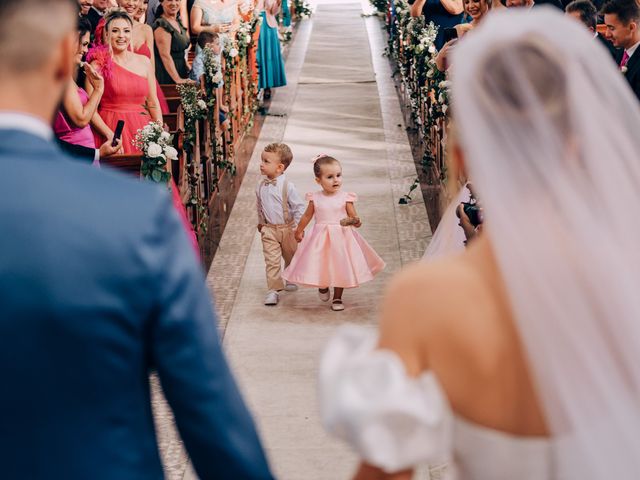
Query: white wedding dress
point(449, 237)
point(396, 422)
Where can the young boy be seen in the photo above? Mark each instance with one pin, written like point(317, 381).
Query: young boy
point(279, 211)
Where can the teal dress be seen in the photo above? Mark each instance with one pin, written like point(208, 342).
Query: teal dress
point(270, 62)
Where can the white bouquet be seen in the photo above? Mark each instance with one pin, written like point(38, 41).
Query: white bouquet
point(157, 149)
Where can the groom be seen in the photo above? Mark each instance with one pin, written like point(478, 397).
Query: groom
point(622, 18)
point(98, 286)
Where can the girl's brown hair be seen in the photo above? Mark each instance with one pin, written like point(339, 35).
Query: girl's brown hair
point(320, 162)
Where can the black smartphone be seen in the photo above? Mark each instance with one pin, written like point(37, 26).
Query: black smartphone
point(118, 133)
point(450, 34)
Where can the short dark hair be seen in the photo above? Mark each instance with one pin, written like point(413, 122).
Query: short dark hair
point(206, 37)
point(84, 26)
point(587, 11)
point(626, 10)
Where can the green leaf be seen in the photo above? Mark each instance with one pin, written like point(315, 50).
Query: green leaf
point(156, 176)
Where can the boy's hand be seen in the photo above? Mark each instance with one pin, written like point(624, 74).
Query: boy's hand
point(357, 222)
point(299, 235)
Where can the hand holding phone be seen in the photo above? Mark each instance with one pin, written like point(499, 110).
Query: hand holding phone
point(118, 133)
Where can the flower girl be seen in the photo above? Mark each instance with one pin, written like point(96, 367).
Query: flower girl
point(333, 254)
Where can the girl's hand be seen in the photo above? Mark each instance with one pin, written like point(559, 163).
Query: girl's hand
point(299, 236)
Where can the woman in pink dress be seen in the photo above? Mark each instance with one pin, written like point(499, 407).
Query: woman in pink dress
point(130, 91)
point(142, 42)
point(130, 86)
point(78, 109)
point(334, 254)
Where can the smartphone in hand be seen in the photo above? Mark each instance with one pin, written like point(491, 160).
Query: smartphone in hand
point(118, 133)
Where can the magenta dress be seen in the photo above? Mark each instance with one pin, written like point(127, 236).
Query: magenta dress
point(65, 130)
point(332, 255)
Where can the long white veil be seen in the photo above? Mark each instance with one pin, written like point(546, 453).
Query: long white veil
point(551, 135)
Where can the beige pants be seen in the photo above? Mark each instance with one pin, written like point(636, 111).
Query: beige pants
point(278, 243)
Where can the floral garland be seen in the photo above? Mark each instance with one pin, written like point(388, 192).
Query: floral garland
point(195, 109)
point(302, 9)
point(157, 149)
point(412, 46)
point(212, 69)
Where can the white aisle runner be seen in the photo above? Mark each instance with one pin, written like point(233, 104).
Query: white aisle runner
point(332, 105)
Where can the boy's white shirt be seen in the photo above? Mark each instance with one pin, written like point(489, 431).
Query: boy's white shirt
point(269, 202)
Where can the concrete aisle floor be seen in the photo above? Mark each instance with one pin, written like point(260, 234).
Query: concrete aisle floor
point(332, 104)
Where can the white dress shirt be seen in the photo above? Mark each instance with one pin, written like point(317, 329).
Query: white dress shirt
point(269, 202)
point(25, 123)
point(632, 50)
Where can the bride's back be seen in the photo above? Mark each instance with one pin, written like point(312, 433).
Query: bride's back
point(456, 323)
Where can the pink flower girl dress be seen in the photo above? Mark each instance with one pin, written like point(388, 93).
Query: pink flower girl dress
point(332, 255)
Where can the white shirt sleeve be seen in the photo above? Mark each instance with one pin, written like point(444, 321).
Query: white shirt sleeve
point(297, 206)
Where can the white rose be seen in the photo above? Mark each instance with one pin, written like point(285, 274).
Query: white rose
point(217, 78)
point(165, 136)
point(441, 98)
point(233, 52)
point(154, 150)
point(171, 153)
point(430, 74)
point(432, 48)
point(147, 129)
point(444, 109)
point(202, 104)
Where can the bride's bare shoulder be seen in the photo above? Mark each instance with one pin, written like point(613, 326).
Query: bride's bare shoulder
point(436, 283)
point(427, 299)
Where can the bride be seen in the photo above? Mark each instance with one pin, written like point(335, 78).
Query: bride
point(518, 358)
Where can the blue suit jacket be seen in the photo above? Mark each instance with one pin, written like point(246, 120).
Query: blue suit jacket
point(98, 286)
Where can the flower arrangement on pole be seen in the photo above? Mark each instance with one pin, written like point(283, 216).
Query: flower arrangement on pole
point(157, 149)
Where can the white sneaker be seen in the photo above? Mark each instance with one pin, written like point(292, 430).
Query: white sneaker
point(271, 298)
point(324, 296)
point(291, 287)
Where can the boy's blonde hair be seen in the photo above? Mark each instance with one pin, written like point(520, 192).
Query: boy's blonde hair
point(284, 153)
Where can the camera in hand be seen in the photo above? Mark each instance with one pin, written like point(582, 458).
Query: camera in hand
point(450, 34)
point(473, 211)
point(471, 208)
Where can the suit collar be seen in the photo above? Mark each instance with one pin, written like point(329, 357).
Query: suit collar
point(24, 122)
point(26, 144)
point(633, 65)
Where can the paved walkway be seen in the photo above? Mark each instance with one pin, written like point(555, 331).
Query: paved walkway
point(332, 104)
